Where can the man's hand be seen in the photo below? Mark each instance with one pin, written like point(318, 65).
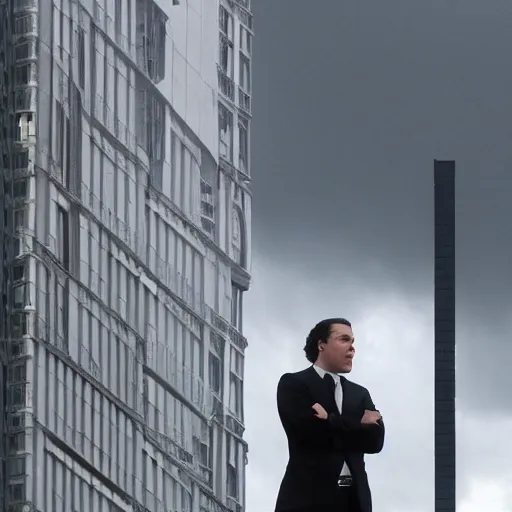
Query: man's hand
point(320, 412)
point(370, 417)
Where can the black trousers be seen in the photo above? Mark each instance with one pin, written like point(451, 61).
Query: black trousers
point(346, 501)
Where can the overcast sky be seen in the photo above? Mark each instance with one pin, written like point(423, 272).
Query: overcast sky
point(352, 103)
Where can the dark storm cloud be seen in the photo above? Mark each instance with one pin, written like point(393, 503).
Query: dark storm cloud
point(353, 101)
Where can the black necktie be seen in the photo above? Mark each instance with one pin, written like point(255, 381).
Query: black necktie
point(329, 380)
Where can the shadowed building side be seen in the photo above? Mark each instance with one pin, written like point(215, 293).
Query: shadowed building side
point(444, 199)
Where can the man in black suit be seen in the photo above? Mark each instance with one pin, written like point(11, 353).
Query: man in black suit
point(330, 423)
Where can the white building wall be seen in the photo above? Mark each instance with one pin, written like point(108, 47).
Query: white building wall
point(191, 72)
point(132, 388)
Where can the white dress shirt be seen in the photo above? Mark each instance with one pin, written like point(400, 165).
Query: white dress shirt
point(338, 396)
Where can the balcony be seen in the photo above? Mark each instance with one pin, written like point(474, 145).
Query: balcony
point(25, 100)
point(244, 101)
point(243, 166)
point(210, 503)
point(245, 16)
point(25, 51)
point(236, 337)
point(24, 5)
point(246, 4)
point(233, 505)
point(234, 425)
point(25, 129)
point(226, 84)
point(25, 26)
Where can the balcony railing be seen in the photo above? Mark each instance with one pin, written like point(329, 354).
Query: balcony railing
point(25, 26)
point(233, 505)
point(225, 328)
point(244, 101)
point(209, 504)
point(24, 5)
point(25, 99)
point(207, 210)
point(226, 84)
point(245, 17)
point(246, 4)
point(234, 425)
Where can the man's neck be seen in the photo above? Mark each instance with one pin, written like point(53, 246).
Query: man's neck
point(324, 367)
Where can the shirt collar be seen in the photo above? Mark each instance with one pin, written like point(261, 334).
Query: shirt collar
point(322, 373)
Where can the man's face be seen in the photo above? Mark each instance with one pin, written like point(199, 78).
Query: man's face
point(339, 350)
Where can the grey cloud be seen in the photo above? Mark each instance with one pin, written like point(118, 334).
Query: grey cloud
point(353, 101)
point(394, 360)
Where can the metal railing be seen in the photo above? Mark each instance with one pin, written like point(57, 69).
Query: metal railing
point(226, 84)
point(244, 101)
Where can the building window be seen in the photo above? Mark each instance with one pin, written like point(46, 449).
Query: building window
point(16, 466)
point(245, 40)
point(63, 236)
point(21, 160)
point(62, 308)
point(150, 39)
point(60, 118)
point(207, 207)
point(237, 241)
point(18, 325)
point(226, 23)
point(16, 492)
point(215, 364)
point(236, 383)
point(17, 349)
point(18, 396)
point(245, 73)
point(17, 420)
point(26, 74)
point(118, 19)
point(25, 50)
point(80, 41)
point(18, 272)
point(243, 143)
point(19, 219)
point(236, 307)
point(235, 395)
point(226, 56)
point(215, 375)
point(150, 121)
point(19, 189)
point(232, 469)
point(17, 373)
point(19, 296)
point(17, 442)
point(225, 133)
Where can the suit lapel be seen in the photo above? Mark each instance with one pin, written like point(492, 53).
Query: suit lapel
point(349, 400)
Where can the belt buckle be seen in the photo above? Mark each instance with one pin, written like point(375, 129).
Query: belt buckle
point(344, 481)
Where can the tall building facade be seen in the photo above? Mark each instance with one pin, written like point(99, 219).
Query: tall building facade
point(444, 310)
point(126, 247)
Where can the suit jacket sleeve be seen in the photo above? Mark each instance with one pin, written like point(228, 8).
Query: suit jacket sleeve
point(371, 438)
point(294, 404)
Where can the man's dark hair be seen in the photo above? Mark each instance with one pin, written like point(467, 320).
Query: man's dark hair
point(321, 332)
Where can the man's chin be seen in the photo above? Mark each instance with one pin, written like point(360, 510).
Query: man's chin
point(347, 369)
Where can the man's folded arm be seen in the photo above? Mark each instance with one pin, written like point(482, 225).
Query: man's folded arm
point(371, 437)
point(295, 408)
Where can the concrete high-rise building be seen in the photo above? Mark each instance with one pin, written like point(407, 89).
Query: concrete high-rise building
point(125, 216)
point(444, 372)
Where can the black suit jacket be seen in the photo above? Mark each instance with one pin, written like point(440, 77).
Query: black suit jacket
point(319, 447)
